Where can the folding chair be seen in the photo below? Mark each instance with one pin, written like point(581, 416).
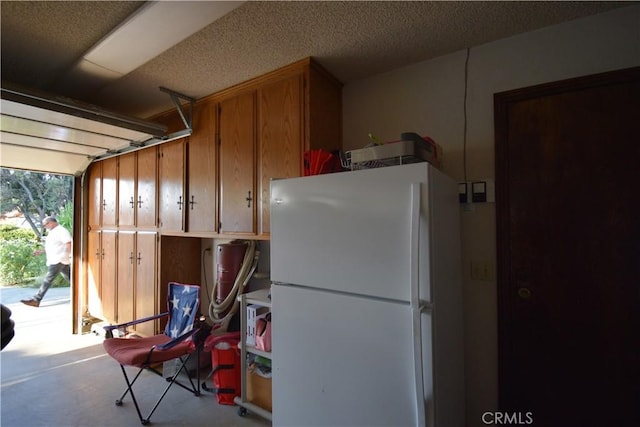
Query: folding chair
point(179, 341)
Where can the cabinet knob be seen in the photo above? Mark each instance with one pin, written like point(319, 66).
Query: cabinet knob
point(139, 202)
point(132, 203)
point(192, 202)
point(131, 258)
point(180, 203)
point(248, 199)
point(524, 293)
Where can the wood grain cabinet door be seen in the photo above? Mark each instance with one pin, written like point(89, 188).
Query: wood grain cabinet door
point(109, 192)
point(200, 204)
point(108, 290)
point(237, 164)
point(126, 271)
point(95, 196)
point(147, 180)
point(172, 177)
point(94, 262)
point(280, 138)
point(126, 189)
point(147, 301)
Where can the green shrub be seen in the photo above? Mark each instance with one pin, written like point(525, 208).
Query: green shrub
point(19, 266)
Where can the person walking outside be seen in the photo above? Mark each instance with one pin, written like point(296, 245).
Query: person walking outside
point(57, 247)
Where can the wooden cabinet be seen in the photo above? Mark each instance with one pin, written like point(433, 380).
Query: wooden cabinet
point(171, 186)
point(101, 271)
point(280, 137)
point(126, 189)
point(95, 196)
point(94, 256)
point(148, 208)
point(201, 170)
point(237, 164)
point(137, 182)
point(146, 187)
point(126, 276)
point(109, 192)
point(147, 294)
point(188, 175)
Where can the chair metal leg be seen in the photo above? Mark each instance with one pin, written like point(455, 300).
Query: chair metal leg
point(195, 388)
point(133, 396)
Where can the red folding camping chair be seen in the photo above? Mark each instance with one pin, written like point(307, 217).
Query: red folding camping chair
point(179, 341)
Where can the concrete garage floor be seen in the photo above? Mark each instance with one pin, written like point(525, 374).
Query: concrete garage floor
point(52, 378)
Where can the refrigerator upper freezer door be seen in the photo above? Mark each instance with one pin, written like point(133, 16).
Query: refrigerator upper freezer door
point(349, 231)
point(344, 360)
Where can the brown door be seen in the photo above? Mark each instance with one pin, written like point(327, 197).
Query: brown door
point(280, 117)
point(95, 195)
point(146, 300)
point(94, 262)
point(109, 191)
point(125, 278)
point(237, 164)
point(108, 275)
point(171, 192)
point(568, 216)
point(202, 170)
point(147, 186)
point(126, 189)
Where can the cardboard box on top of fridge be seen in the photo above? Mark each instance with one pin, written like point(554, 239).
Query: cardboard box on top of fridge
point(254, 311)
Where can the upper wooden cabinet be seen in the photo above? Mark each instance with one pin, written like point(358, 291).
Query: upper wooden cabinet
point(172, 186)
point(126, 190)
point(263, 127)
point(201, 170)
point(146, 187)
point(137, 181)
point(109, 192)
point(237, 164)
point(95, 196)
point(280, 137)
point(188, 174)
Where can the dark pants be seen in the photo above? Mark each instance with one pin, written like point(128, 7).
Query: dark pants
point(52, 272)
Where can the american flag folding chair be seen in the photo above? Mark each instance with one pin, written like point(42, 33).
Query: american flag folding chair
point(179, 341)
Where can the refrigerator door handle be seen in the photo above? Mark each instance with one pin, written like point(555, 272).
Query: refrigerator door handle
point(416, 307)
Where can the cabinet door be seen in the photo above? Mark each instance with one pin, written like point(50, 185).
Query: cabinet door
point(126, 271)
point(237, 164)
point(108, 275)
point(95, 195)
point(280, 138)
point(147, 303)
point(172, 186)
point(94, 258)
point(146, 187)
point(126, 189)
point(109, 191)
point(202, 170)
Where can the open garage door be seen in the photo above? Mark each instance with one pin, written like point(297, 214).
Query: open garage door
point(44, 133)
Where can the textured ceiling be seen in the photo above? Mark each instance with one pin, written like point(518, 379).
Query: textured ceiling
point(41, 42)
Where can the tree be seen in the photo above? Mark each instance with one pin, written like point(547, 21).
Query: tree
point(35, 195)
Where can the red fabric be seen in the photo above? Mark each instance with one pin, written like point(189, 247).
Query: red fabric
point(226, 366)
point(134, 351)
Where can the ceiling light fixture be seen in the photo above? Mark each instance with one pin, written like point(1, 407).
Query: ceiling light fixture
point(151, 30)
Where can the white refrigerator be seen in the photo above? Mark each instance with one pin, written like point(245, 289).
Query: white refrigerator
point(367, 326)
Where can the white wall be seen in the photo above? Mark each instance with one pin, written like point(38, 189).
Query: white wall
point(428, 98)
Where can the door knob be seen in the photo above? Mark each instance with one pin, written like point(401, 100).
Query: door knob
point(524, 293)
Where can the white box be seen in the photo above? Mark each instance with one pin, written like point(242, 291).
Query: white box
point(253, 312)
